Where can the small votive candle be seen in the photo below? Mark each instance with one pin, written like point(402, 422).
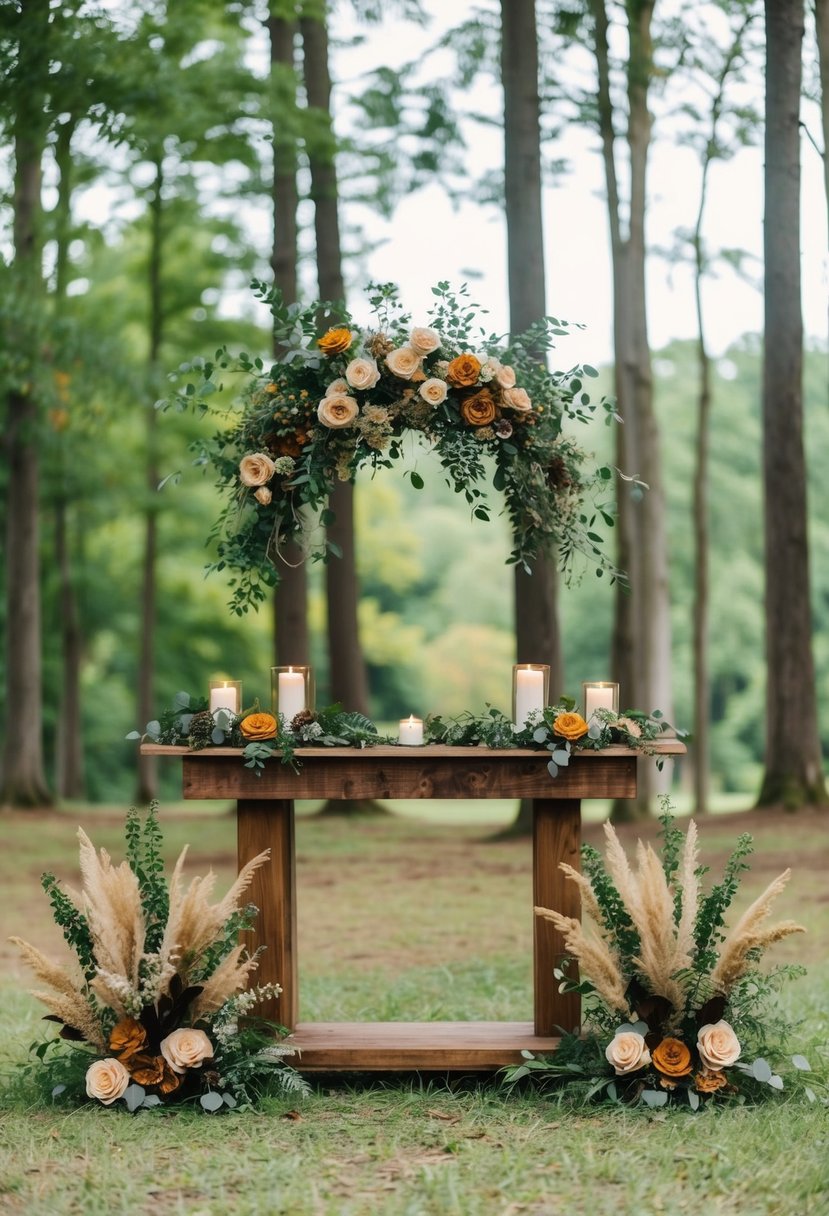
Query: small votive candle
point(411, 732)
point(227, 695)
point(530, 690)
point(599, 694)
point(292, 691)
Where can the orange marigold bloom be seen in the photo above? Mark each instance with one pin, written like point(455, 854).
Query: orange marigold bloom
point(335, 341)
point(672, 1058)
point(709, 1082)
point(126, 1038)
point(463, 371)
point(258, 726)
point(570, 726)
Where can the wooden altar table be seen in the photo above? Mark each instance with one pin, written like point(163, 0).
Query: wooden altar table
point(265, 820)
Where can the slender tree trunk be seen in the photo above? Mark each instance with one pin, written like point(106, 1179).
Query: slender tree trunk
point(23, 779)
point(69, 753)
point(537, 632)
point(822, 31)
point(147, 768)
point(349, 682)
point(291, 641)
point(641, 660)
point(793, 766)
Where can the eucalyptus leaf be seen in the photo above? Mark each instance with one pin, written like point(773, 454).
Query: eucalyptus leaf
point(229, 1101)
point(150, 1101)
point(154, 729)
point(802, 1063)
point(776, 1081)
point(654, 1097)
point(211, 1102)
point(693, 1099)
point(184, 724)
point(134, 1096)
point(217, 736)
point(540, 734)
point(561, 757)
point(134, 734)
point(594, 730)
point(761, 1070)
point(181, 700)
point(58, 1090)
point(552, 768)
point(811, 1096)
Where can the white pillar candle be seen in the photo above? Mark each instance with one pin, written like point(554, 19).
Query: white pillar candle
point(529, 694)
point(226, 697)
point(598, 697)
point(411, 732)
point(291, 693)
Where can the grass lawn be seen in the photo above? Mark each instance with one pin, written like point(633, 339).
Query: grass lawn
point(412, 919)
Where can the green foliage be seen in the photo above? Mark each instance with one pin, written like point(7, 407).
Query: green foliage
point(711, 916)
point(72, 921)
point(144, 844)
point(615, 916)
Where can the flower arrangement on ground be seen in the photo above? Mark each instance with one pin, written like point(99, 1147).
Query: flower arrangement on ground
point(334, 403)
point(154, 1007)
point(675, 1006)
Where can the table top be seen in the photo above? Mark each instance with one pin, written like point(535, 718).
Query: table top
point(432, 771)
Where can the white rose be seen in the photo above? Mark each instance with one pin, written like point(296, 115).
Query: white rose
point(106, 1080)
point(627, 1051)
point(489, 367)
point(337, 387)
point(186, 1048)
point(423, 341)
point(433, 391)
point(256, 469)
point(338, 410)
point(263, 495)
point(403, 362)
point(517, 399)
point(505, 376)
point(718, 1045)
point(362, 373)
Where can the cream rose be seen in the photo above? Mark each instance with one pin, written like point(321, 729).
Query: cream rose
point(263, 495)
point(106, 1080)
point(362, 373)
point(505, 376)
point(433, 391)
point(627, 1051)
point(256, 469)
point(423, 340)
point(517, 399)
point(403, 362)
point(337, 387)
point(186, 1048)
point(337, 410)
point(718, 1045)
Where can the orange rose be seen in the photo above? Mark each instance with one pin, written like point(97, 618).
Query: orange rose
point(570, 726)
point(672, 1058)
point(126, 1038)
point(335, 341)
point(709, 1082)
point(463, 371)
point(478, 409)
point(258, 726)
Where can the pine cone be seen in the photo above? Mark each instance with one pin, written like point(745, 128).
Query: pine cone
point(304, 718)
point(201, 730)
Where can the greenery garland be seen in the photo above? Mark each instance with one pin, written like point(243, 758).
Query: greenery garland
point(332, 405)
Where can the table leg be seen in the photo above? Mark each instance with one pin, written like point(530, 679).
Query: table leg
point(556, 837)
point(263, 824)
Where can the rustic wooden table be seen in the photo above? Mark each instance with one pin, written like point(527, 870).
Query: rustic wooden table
point(265, 820)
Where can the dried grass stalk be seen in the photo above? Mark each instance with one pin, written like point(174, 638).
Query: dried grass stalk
point(748, 935)
point(229, 977)
point(598, 962)
point(68, 1000)
point(689, 887)
point(658, 958)
point(112, 903)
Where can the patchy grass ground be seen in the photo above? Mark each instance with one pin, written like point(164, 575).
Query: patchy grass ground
point(410, 919)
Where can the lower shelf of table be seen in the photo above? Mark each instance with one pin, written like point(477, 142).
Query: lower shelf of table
point(401, 1046)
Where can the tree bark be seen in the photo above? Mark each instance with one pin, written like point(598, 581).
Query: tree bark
point(348, 679)
point(147, 767)
point(793, 766)
point(822, 32)
point(291, 640)
point(24, 781)
point(537, 631)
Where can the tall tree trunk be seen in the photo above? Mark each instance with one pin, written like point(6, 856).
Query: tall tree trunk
point(822, 31)
point(291, 641)
point(147, 767)
point(537, 632)
point(641, 638)
point(348, 679)
point(23, 780)
point(70, 781)
point(793, 766)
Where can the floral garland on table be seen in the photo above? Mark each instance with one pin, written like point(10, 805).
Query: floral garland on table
point(154, 1009)
point(261, 735)
point(335, 403)
point(676, 1008)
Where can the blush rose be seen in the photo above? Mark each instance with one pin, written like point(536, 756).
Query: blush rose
point(718, 1045)
point(627, 1051)
point(106, 1080)
point(255, 469)
point(186, 1048)
point(337, 411)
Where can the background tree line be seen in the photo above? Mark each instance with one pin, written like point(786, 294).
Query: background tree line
point(172, 130)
